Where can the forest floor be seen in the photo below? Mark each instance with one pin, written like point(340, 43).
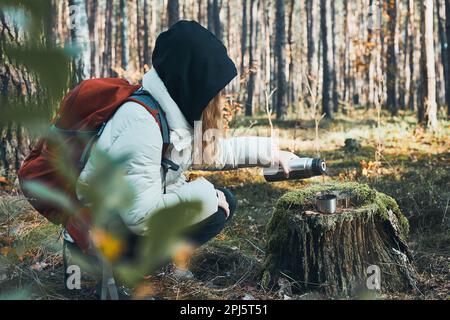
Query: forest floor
point(414, 168)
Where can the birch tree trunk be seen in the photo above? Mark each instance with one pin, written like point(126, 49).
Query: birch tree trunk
point(79, 35)
point(429, 104)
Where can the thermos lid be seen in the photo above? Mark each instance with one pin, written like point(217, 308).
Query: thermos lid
point(318, 166)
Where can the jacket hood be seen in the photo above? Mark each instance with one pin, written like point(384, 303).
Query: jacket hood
point(193, 65)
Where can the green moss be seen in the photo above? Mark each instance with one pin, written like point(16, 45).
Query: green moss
point(361, 193)
point(301, 200)
point(384, 204)
point(366, 200)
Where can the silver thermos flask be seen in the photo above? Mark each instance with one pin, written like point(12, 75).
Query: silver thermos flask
point(300, 168)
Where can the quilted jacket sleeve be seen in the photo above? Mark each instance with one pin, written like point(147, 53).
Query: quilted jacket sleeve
point(243, 152)
point(239, 152)
point(134, 132)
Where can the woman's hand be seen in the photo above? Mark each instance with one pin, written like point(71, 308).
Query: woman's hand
point(283, 158)
point(223, 203)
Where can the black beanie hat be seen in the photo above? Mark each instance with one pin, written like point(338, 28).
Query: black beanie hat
point(193, 65)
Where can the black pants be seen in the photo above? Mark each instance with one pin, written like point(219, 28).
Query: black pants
point(207, 229)
point(198, 234)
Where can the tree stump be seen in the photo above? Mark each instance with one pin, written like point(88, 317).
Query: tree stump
point(338, 253)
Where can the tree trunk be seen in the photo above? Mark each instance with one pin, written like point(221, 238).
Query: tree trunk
point(391, 68)
point(243, 36)
point(79, 34)
point(210, 15)
point(280, 53)
point(412, 65)
point(443, 41)
point(252, 69)
point(200, 12)
point(334, 90)
point(290, 94)
point(267, 41)
point(16, 85)
point(173, 12)
point(337, 253)
point(325, 28)
point(123, 35)
point(139, 34)
point(369, 54)
point(345, 65)
point(107, 53)
point(229, 22)
point(94, 37)
point(447, 52)
point(216, 19)
point(146, 35)
point(311, 11)
point(403, 88)
point(428, 108)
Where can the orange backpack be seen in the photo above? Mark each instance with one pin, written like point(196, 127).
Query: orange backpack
point(80, 120)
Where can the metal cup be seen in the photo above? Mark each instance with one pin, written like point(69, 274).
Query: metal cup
point(326, 203)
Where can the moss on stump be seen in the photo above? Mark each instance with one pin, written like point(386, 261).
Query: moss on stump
point(331, 252)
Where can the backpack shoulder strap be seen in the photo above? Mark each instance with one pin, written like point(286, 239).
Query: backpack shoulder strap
point(145, 99)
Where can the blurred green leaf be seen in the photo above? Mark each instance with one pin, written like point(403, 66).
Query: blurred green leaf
point(106, 191)
point(39, 13)
point(25, 113)
point(53, 196)
point(166, 229)
point(49, 64)
point(33, 54)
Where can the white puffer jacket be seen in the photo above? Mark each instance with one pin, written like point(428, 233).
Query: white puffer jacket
point(133, 131)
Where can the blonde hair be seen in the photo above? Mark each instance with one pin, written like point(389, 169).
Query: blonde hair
point(212, 127)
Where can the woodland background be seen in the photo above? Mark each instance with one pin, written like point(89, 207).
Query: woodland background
point(307, 57)
point(320, 71)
